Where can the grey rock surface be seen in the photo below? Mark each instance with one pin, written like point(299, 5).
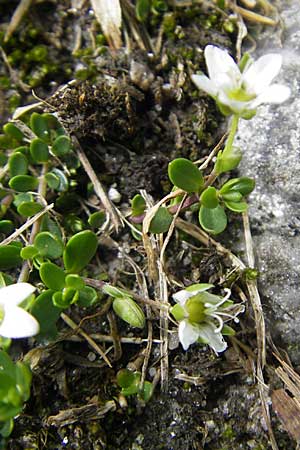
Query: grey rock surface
point(271, 147)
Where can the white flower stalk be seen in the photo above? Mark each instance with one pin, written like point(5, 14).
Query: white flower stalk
point(15, 322)
point(201, 316)
point(241, 91)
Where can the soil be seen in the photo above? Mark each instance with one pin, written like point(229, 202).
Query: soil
point(132, 112)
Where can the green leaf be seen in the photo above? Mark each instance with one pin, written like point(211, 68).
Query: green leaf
point(79, 250)
point(61, 146)
point(244, 185)
point(161, 221)
point(142, 9)
point(115, 292)
point(28, 209)
point(147, 391)
point(13, 131)
point(6, 364)
point(69, 296)
point(6, 226)
point(9, 257)
point(63, 181)
point(6, 428)
point(209, 197)
point(184, 174)
point(238, 207)
point(97, 219)
point(87, 296)
point(129, 311)
point(228, 160)
point(17, 164)
point(23, 380)
point(46, 314)
point(53, 180)
point(125, 378)
point(39, 150)
point(48, 245)
point(29, 252)
point(21, 198)
point(39, 126)
point(134, 387)
point(74, 281)
point(138, 205)
point(52, 276)
point(48, 224)
point(213, 220)
point(232, 196)
point(23, 183)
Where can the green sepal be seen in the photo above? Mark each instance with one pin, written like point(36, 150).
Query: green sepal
point(178, 312)
point(227, 331)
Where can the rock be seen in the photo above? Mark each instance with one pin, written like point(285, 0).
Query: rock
point(271, 147)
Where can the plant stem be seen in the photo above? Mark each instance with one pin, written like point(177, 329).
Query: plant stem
point(232, 132)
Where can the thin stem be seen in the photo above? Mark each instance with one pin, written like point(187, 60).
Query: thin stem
point(232, 132)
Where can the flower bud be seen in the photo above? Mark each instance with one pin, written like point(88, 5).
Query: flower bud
point(129, 311)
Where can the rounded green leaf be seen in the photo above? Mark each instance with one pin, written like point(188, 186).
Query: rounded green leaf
point(29, 252)
point(53, 180)
point(46, 314)
point(213, 220)
point(125, 378)
point(232, 196)
point(48, 245)
point(17, 164)
point(6, 226)
point(161, 221)
point(28, 209)
point(63, 181)
point(9, 256)
point(185, 175)
point(23, 183)
point(74, 281)
point(209, 197)
point(52, 276)
point(244, 185)
point(61, 146)
point(69, 296)
point(39, 126)
point(97, 219)
point(87, 296)
point(79, 250)
point(59, 301)
point(13, 131)
point(238, 207)
point(138, 205)
point(129, 311)
point(39, 150)
point(21, 198)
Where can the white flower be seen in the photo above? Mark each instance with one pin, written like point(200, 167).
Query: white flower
point(201, 316)
point(241, 92)
point(15, 322)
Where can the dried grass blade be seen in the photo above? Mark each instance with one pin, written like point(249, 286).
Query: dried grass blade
point(109, 16)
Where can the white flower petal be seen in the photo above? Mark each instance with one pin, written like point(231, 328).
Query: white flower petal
point(205, 84)
point(14, 294)
point(206, 331)
point(219, 61)
point(18, 323)
point(187, 333)
point(182, 296)
point(276, 93)
point(261, 73)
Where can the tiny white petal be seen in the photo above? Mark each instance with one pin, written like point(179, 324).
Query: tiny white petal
point(206, 331)
point(276, 93)
point(18, 323)
point(219, 61)
point(114, 195)
point(204, 83)
point(187, 333)
point(182, 296)
point(262, 72)
point(14, 294)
